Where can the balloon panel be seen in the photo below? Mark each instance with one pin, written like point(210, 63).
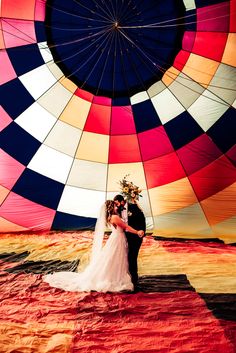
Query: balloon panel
point(146, 90)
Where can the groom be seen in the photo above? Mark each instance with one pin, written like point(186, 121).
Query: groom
point(134, 217)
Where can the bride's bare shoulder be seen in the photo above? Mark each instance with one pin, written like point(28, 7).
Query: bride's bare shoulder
point(115, 218)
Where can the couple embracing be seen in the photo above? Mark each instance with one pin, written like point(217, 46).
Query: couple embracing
point(113, 266)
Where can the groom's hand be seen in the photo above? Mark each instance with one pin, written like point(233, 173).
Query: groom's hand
point(140, 233)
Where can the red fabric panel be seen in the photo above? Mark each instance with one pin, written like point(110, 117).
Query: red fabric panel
point(213, 178)
point(102, 100)
point(26, 213)
point(163, 170)
point(23, 9)
point(98, 120)
point(84, 95)
point(5, 119)
point(188, 40)
point(198, 153)
point(124, 149)
point(122, 121)
point(210, 44)
point(10, 170)
point(213, 18)
point(232, 27)
point(154, 143)
point(181, 59)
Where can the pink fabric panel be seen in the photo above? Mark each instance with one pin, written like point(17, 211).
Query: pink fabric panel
point(188, 41)
point(214, 18)
point(198, 154)
point(18, 32)
point(10, 170)
point(154, 143)
point(27, 213)
point(7, 72)
point(122, 121)
point(5, 119)
point(40, 10)
point(102, 100)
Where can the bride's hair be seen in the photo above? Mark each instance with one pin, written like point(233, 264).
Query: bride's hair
point(110, 209)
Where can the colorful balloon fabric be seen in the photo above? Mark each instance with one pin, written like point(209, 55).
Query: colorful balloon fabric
point(94, 90)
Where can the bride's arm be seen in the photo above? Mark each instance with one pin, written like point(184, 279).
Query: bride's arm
point(118, 221)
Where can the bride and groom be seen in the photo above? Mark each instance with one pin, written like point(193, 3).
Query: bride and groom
point(113, 266)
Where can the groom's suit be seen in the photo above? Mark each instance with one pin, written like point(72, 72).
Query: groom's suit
point(136, 220)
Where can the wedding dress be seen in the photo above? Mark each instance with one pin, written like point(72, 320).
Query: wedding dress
point(107, 272)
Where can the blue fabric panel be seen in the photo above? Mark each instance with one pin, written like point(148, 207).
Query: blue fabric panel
point(145, 116)
point(15, 98)
point(18, 143)
point(64, 221)
point(38, 188)
point(182, 129)
point(40, 31)
point(25, 58)
point(223, 132)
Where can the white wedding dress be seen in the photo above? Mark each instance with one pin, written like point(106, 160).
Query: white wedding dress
point(107, 273)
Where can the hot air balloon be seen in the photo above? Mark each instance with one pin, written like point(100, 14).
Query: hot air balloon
point(92, 91)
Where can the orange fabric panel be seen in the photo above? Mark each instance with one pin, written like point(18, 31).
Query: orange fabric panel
point(220, 206)
point(229, 56)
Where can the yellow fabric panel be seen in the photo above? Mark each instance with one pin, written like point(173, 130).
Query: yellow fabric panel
point(221, 205)
point(200, 69)
point(68, 84)
point(117, 172)
point(36, 337)
point(7, 226)
point(226, 230)
point(172, 196)
point(229, 56)
point(93, 147)
point(76, 112)
point(170, 75)
point(156, 88)
point(3, 193)
point(44, 248)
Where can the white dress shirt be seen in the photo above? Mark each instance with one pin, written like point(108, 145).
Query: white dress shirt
point(124, 213)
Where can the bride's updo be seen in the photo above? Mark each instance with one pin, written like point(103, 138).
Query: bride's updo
point(110, 209)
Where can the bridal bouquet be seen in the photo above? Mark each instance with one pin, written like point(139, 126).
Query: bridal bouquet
point(129, 190)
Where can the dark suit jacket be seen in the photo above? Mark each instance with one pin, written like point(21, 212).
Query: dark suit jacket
point(136, 219)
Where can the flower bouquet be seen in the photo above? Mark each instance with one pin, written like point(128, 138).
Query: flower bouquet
point(129, 191)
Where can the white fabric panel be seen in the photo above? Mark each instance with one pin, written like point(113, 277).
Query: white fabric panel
point(38, 81)
point(117, 171)
point(156, 88)
point(187, 220)
point(167, 106)
point(189, 4)
point(207, 110)
point(90, 175)
point(57, 73)
point(224, 82)
point(186, 90)
point(51, 163)
point(55, 99)
point(45, 52)
point(139, 97)
point(37, 121)
point(64, 138)
point(81, 202)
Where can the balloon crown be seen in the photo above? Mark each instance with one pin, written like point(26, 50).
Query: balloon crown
point(129, 190)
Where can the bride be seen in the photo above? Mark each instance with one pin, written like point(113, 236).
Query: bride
point(108, 267)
